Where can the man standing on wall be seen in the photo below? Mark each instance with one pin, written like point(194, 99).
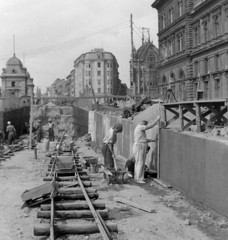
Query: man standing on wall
point(140, 148)
point(11, 133)
point(51, 130)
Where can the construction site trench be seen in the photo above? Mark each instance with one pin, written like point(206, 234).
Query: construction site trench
point(173, 215)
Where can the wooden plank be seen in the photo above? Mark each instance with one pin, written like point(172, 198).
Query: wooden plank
point(133, 204)
point(96, 218)
point(217, 113)
point(163, 184)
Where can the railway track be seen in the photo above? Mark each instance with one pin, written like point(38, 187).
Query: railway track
point(73, 206)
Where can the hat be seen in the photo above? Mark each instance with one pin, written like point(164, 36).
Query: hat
point(8, 122)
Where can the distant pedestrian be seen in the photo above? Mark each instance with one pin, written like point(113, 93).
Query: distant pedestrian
point(140, 148)
point(2, 138)
point(39, 132)
point(108, 143)
point(51, 130)
point(11, 133)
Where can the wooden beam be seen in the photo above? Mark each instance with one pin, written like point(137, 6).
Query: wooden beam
point(76, 205)
point(71, 214)
point(198, 120)
point(52, 215)
point(44, 229)
point(181, 117)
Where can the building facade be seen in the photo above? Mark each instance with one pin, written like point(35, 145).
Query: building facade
point(193, 48)
point(16, 81)
point(143, 71)
point(99, 69)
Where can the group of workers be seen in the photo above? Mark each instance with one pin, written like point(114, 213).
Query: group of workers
point(140, 147)
point(11, 131)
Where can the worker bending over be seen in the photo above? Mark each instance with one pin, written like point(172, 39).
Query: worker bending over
point(108, 143)
point(140, 148)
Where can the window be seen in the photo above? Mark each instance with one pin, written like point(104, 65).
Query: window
point(205, 31)
point(216, 59)
point(196, 68)
point(13, 84)
point(217, 88)
point(89, 73)
point(180, 8)
point(181, 75)
point(171, 15)
point(163, 21)
point(108, 73)
point(171, 47)
point(98, 73)
point(152, 58)
point(89, 65)
point(172, 77)
point(206, 89)
point(196, 36)
point(206, 65)
point(108, 64)
point(226, 20)
point(179, 42)
point(14, 71)
point(99, 90)
point(99, 82)
point(98, 64)
point(216, 26)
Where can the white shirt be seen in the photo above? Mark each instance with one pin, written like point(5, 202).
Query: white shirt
point(140, 134)
point(110, 136)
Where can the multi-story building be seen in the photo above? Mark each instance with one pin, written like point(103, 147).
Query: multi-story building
point(98, 69)
point(57, 88)
point(143, 71)
point(16, 81)
point(193, 45)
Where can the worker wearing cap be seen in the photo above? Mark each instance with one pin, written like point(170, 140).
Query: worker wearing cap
point(51, 130)
point(11, 133)
point(140, 148)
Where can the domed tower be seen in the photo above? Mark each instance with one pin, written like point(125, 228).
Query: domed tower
point(144, 76)
point(16, 81)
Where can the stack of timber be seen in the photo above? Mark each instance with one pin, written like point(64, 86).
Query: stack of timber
point(68, 195)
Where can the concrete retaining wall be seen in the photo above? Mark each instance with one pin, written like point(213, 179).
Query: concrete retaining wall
point(17, 117)
point(101, 124)
point(81, 122)
point(196, 166)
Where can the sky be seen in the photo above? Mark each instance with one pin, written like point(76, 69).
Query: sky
point(51, 34)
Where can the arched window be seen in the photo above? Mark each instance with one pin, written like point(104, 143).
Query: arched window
point(164, 80)
point(205, 30)
point(171, 13)
point(172, 78)
point(163, 21)
point(181, 75)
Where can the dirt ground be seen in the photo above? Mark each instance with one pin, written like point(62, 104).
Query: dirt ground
point(175, 216)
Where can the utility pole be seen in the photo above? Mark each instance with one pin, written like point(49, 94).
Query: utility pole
point(132, 58)
point(31, 121)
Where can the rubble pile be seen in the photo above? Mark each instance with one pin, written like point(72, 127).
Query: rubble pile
point(137, 107)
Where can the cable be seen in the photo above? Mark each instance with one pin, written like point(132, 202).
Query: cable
point(140, 31)
point(69, 45)
point(95, 35)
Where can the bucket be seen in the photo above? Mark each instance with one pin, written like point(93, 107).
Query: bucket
point(46, 145)
point(94, 168)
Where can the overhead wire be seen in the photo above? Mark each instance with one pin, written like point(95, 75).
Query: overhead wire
point(84, 39)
